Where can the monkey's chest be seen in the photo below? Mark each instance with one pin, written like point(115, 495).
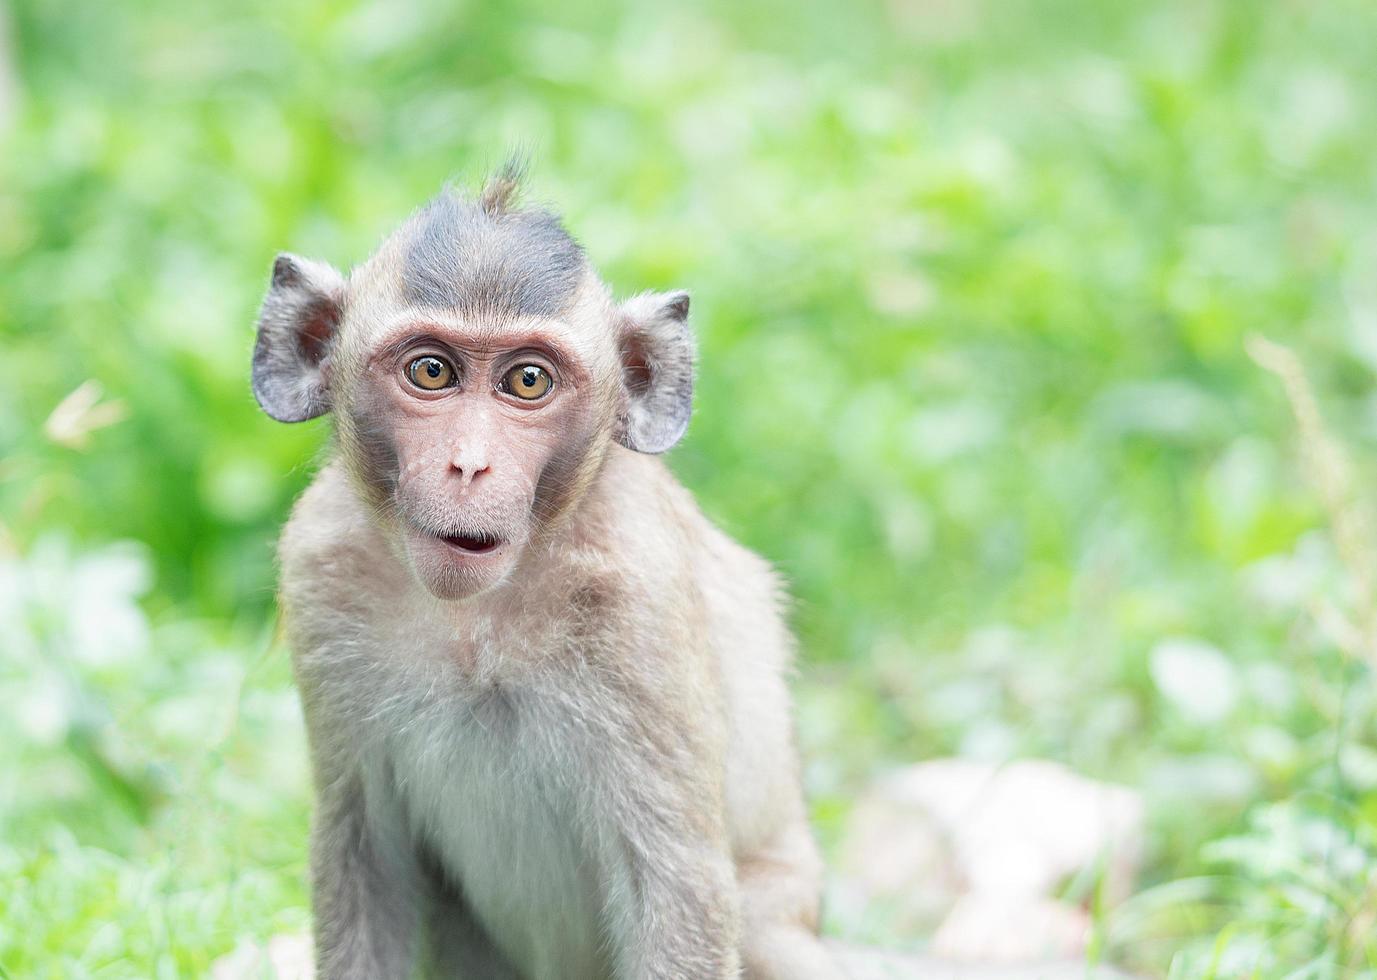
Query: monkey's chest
point(492, 808)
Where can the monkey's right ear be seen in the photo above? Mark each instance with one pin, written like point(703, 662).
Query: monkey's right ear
point(296, 330)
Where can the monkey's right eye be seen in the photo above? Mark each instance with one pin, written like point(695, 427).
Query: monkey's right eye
point(430, 373)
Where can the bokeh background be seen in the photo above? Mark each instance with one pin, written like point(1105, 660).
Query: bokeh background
point(975, 282)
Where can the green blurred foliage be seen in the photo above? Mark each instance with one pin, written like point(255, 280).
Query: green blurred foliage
point(972, 282)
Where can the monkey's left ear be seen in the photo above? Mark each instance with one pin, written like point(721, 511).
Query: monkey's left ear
point(657, 370)
point(296, 329)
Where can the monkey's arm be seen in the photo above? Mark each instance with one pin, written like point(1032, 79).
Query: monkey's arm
point(365, 884)
point(674, 911)
point(365, 920)
point(654, 799)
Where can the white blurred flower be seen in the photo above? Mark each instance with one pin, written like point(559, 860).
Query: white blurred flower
point(43, 711)
point(1195, 677)
point(81, 607)
point(1288, 581)
point(61, 611)
point(107, 625)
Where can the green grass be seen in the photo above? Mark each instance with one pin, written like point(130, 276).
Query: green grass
point(973, 282)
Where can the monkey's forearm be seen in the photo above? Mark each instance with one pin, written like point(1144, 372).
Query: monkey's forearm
point(658, 820)
point(680, 918)
point(366, 920)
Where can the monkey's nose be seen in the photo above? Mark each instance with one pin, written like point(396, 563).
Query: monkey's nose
point(468, 469)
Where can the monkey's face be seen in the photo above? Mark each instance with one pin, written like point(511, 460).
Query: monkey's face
point(479, 373)
point(472, 438)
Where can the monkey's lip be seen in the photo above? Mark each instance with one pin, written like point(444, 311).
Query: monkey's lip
point(471, 544)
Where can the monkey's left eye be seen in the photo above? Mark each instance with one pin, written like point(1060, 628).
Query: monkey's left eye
point(430, 373)
point(528, 382)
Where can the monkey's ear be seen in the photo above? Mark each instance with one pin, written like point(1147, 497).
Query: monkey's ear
point(657, 369)
point(296, 330)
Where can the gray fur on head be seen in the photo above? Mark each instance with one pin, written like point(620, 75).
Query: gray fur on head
point(657, 368)
point(296, 328)
point(488, 255)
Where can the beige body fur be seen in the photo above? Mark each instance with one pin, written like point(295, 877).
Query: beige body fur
point(546, 698)
point(479, 723)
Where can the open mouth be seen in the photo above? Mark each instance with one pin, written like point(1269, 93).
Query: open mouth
point(472, 544)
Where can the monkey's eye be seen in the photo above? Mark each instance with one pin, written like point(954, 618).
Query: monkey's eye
point(430, 373)
point(528, 382)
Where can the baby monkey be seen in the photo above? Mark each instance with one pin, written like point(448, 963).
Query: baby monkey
point(545, 697)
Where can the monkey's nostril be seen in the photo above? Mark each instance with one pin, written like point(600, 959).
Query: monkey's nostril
point(467, 474)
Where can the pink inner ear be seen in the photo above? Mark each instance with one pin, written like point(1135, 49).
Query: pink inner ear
point(636, 372)
point(318, 326)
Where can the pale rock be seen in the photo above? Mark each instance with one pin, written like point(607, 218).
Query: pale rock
point(978, 850)
point(995, 929)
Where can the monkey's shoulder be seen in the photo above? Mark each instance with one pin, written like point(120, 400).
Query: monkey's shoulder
point(667, 546)
point(329, 540)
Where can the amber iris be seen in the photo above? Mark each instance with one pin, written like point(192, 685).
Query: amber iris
point(430, 373)
point(528, 381)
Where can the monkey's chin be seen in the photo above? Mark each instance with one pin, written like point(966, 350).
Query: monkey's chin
point(458, 568)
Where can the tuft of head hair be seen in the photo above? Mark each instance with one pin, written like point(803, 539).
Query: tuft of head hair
point(500, 192)
point(488, 253)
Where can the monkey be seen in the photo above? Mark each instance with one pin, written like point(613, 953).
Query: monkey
point(545, 697)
